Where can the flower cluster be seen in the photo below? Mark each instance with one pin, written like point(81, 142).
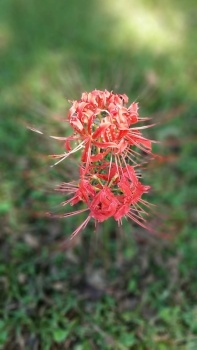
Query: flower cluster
point(112, 150)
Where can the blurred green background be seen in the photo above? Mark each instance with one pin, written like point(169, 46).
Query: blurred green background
point(114, 288)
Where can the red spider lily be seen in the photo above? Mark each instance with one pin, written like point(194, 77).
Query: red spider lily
point(100, 120)
point(107, 190)
point(111, 148)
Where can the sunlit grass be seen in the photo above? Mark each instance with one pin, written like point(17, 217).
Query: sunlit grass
point(138, 25)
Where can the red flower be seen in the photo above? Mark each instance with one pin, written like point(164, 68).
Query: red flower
point(105, 132)
point(101, 120)
point(107, 190)
point(103, 205)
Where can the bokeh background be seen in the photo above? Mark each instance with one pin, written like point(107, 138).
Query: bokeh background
point(114, 288)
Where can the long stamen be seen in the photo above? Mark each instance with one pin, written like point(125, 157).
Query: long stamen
point(65, 243)
point(68, 214)
point(110, 164)
point(77, 148)
point(142, 127)
point(81, 227)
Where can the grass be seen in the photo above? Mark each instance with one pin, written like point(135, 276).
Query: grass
point(110, 289)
